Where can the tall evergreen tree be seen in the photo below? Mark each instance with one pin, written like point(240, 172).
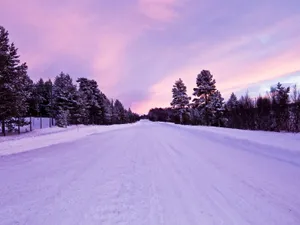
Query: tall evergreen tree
point(180, 100)
point(206, 86)
point(232, 107)
point(14, 83)
point(92, 100)
point(180, 97)
point(64, 92)
point(119, 112)
point(216, 109)
point(263, 115)
point(108, 111)
point(280, 101)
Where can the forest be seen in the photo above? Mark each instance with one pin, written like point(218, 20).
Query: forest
point(68, 102)
point(277, 110)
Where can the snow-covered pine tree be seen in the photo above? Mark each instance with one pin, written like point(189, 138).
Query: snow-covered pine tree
point(49, 100)
point(295, 110)
point(280, 106)
point(206, 86)
point(40, 97)
point(107, 109)
point(23, 93)
point(131, 116)
point(63, 98)
point(180, 100)
point(14, 83)
point(232, 103)
point(114, 118)
point(216, 109)
point(119, 112)
point(92, 100)
point(77, 112)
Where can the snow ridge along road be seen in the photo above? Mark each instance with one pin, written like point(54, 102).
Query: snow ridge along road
point(154, 174)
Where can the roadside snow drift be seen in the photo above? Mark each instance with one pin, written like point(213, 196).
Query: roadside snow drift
point(50, 136)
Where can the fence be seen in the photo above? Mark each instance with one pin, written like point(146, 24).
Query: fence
point(34, 124)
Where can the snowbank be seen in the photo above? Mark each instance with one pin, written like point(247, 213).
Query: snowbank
point(287, 141)
point(50, 136)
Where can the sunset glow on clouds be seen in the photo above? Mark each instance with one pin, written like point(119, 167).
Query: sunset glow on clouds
point(136, 49)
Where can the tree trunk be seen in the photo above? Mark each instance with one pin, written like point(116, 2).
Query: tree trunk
point(3, 128)
point(30, 123)
point(41, 123)
point(19, 129)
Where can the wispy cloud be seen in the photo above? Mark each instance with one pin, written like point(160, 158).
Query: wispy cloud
point(161, 10)
point(136, 49)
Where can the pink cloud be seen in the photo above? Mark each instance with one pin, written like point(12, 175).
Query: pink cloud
point(100, 41)
point(234, 71)
point(161, 10)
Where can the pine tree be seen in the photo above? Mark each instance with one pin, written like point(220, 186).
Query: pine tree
point(216, 109)
point(206, 86)
point(49, 100)
point(295, 110)
point(40, 97)
point(64, 92)
point(247, 112)
point(180, 100)
point(78, 111)
point(119, 112)
point(108, 109)
point(92, 100)
point(180, 97)
point(14, 83)
point(232, 103)
point(280, 106)
point(263, 118)
point(232, 107)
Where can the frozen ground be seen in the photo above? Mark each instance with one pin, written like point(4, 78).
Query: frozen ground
point(152, 173)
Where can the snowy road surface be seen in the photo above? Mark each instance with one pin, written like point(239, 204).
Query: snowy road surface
point(154, 174)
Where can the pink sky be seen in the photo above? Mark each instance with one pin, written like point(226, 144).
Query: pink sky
point(136, 49)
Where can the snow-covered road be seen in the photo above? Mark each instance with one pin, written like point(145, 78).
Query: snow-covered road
point(153, 174)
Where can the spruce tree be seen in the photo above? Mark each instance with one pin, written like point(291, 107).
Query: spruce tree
point(119, 112)
point(280, 106)
point(92, 100)
point(206, 86)
point(14, 83)
point(63, 99)
point(216, 109)
point(180, 99)
point(232, 107)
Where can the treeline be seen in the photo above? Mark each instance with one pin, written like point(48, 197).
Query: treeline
point(278, 110)
point(68, 102)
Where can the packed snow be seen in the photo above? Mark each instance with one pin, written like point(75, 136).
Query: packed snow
point(50, 136)
point(155, 174)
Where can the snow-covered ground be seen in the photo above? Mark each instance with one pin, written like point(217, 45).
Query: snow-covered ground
point(50, 136)
point(154, 173)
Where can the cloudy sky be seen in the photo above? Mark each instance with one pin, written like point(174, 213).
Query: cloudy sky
point(136, 49)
